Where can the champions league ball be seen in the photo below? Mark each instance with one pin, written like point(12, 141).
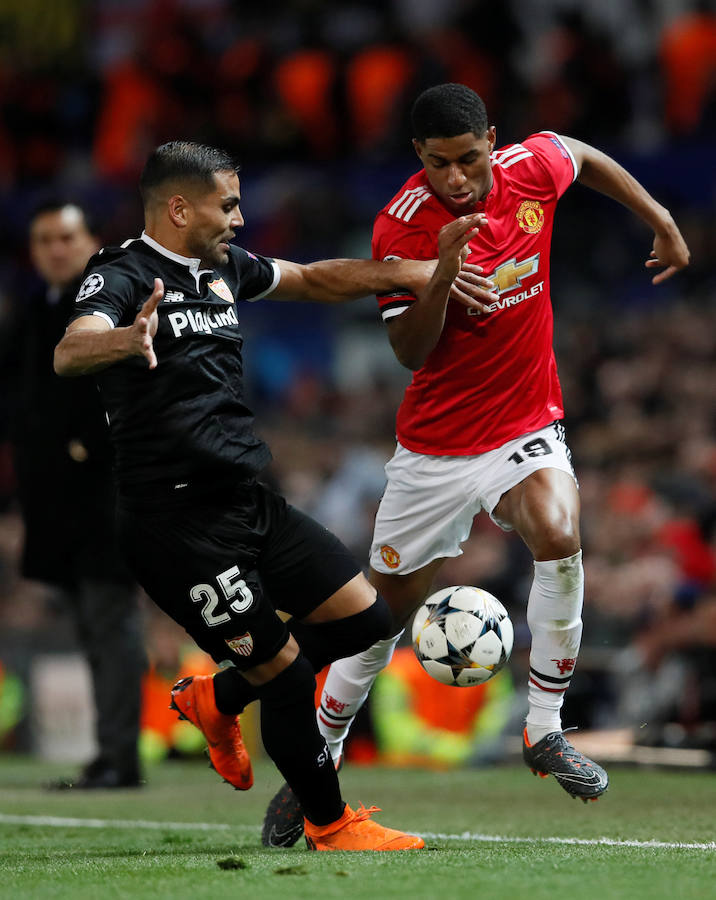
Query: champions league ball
point(462, 636)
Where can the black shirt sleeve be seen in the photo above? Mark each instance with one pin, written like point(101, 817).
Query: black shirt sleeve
point(258, 275)
point(107, 290)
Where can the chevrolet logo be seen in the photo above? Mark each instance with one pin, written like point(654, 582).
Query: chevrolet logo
point(511, 273)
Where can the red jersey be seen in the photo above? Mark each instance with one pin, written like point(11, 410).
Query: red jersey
point(491, 377)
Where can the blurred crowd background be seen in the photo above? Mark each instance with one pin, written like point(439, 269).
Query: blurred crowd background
point(313, 98)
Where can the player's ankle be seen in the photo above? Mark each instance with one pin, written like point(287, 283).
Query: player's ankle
point(331, 827)
point(535, 733)
point(336, 750)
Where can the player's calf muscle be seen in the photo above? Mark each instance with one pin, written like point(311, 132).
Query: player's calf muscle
point(267, 671)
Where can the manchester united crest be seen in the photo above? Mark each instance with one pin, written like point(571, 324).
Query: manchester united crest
point(530, 216)
point(390, 556)
point(221, 288)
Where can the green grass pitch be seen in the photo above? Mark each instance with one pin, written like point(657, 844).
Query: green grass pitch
point(491, 833)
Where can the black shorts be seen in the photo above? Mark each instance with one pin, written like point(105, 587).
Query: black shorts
point(222, 566)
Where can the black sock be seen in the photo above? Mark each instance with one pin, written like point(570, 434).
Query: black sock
point(293, 741)
point(232, 692)
point(328, 641)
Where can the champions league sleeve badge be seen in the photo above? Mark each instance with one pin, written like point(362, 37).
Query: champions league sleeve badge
point(91, 285)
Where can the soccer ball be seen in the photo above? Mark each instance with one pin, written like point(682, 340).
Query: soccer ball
point(462, 636)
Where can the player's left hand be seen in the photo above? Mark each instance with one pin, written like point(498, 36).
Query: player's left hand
point(472, 289)
point(670, 254)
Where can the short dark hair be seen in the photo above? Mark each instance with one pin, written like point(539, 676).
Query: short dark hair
point(57, 204)
point(183, 161)
point(447, 110)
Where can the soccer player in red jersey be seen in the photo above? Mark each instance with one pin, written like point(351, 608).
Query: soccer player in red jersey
point(480, 427)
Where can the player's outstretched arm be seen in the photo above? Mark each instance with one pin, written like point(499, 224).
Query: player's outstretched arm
point(601, 173)
point(90, 344)
point(414, 333)
point(339, 280)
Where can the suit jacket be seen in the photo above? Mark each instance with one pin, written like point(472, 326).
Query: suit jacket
point(62, 456)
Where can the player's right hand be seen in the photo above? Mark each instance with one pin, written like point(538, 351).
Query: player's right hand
point(453, 239)
point(147, 322)
point(469, 286)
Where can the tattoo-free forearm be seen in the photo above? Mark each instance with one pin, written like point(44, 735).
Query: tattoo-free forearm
point(415, 333)
point(339, 280)
point(603, 174)
point(83, 351)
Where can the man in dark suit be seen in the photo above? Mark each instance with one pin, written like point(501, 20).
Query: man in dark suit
point(63, 466)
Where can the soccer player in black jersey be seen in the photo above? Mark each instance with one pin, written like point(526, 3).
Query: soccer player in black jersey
point(217, 550)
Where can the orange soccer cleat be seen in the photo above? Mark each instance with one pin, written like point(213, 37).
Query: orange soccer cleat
point(193, 699)
point(356, 831)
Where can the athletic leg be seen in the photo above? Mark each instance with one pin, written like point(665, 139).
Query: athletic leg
point(324, 639)
point(349, 621)
point(350, 679)
point(544, 510)
point(425, 514)
point(287, 708)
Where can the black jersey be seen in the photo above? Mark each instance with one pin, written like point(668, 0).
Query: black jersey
point(183, 424)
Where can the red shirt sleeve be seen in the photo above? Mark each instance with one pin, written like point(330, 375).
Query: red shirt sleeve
point(395, 240)
point(555, 159)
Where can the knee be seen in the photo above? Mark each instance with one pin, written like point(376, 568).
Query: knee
point(558, 538)
point(403, 593)
point(378, 622)
point(328, 641)
point(359, 631)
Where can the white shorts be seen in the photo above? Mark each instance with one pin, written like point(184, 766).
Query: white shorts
point(430, 501)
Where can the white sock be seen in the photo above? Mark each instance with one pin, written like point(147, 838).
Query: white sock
point(348, 684)
point(554, 616)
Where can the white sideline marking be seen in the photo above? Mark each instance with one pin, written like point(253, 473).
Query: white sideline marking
point(58, 822)
point(64, 822)
point(590, 842)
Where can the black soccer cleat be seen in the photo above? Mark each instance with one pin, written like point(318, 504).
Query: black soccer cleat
point(283, 822)
point(554, 755)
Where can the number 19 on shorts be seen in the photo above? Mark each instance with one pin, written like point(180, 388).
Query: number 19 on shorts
point(536, 447)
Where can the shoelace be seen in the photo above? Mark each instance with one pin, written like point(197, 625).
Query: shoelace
point(573, 755)
point(361, 814)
